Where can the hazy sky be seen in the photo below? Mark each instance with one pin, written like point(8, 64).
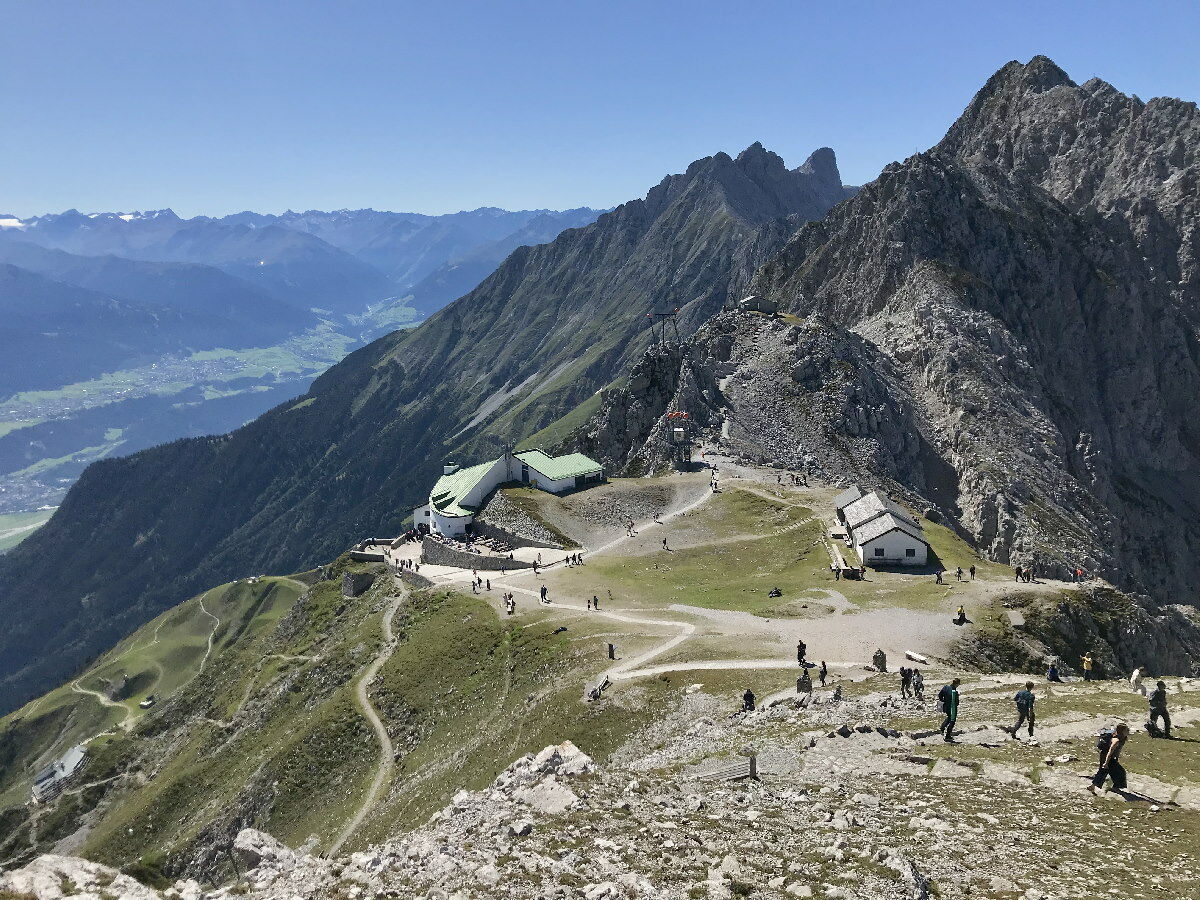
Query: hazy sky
point(223, 105)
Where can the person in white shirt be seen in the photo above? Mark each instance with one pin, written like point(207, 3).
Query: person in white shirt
point(1135, 681)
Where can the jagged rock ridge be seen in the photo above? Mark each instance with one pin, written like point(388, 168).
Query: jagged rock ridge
point(1027, 293)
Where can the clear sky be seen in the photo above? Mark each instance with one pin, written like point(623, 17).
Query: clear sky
point(222, 105)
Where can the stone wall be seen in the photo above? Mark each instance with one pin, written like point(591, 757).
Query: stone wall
point(435, 553)
point(355, 584)
point(501, 518)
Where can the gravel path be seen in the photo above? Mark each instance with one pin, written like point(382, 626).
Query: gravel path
point(387, 755)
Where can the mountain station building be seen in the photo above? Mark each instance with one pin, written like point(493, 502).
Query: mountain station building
point(459, 493)
point(881, 532)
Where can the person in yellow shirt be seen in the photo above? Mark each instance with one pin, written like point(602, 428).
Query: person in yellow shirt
point(1087, 666)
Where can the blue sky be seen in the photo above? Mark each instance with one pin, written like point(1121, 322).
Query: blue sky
point(217, 106)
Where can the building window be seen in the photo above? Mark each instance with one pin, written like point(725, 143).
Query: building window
point(910, 552)
point(879, 551)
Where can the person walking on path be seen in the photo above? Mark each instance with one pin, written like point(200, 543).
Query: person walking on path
point(823, 673)
point(748, 701)
point(589, 603)
point(937, 577)
point(948, 699)
point(801, 651)
point(918, 683)
point(665, 547)
point(1137, 683)
point(595, 602)
point(958, 573)
point(1016, 573)
point(543, 592)
point(1024, 700)
point(1086, 659)
point(1110, 745)
point(906, 675)
point(972, 571)
point(1158, 709)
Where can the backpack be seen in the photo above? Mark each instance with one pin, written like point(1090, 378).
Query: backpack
point(1104, 740)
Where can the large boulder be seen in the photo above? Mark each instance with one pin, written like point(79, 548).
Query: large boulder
point(51, 877)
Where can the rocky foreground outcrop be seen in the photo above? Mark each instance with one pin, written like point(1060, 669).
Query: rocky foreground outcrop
point(849, 807)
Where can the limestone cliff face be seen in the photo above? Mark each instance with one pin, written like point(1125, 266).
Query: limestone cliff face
point(1019, 306)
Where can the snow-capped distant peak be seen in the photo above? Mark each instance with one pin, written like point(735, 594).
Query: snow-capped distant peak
point(11, 222)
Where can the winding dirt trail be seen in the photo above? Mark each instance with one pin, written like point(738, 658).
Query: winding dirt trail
point(387, 755)
point(125, 723)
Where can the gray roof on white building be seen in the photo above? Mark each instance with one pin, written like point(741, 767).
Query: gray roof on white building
point(867, 507)
point(884, 524)
point(846, 497)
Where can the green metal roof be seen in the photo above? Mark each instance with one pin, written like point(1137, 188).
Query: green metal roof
point(449, 488)
point(556, 468)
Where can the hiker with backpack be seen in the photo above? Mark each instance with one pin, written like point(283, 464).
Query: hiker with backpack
point(823, 673)
point(1158, 710)
point(918, 683)
point(948, 700)
point(748, 701)
point(906, 676)
point(1024, 701)
point(1109, 745)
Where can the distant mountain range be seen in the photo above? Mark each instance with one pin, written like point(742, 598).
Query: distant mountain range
point(238, 281)
point(551, 326)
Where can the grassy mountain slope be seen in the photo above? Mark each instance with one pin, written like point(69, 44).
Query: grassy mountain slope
point(549, 328)
point(267, 732)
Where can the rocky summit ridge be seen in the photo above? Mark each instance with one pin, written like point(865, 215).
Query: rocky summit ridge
point(1004, 326)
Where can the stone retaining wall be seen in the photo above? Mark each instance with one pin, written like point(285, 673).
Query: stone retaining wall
point(435, 553)
point(503, 519)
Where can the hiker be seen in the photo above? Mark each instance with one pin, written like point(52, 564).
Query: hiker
point(665, 547)
point(958, 573)
point(489, 584)
point(948, 699)
point(879, 659)
point(801, 651)
point(589, 603)
point(543, 592)
point(823, 673)
point(1086, 659)
point(918, 683)
point(937, 577)
point(595, 602)
point(862, 572)
point(960, 617)
point(804, 683)
point(972, 571)
point(1158, 710)
point(1079, 574)
point(1017, 573)
point(1052, 673)
point(1024, 700)
point(906, 675)
point(1136, 682)
point(1109, 745)
point(748, 701)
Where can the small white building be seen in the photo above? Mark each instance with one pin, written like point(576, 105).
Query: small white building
point(889, 541)
point(459, 493)
point(881, 532)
